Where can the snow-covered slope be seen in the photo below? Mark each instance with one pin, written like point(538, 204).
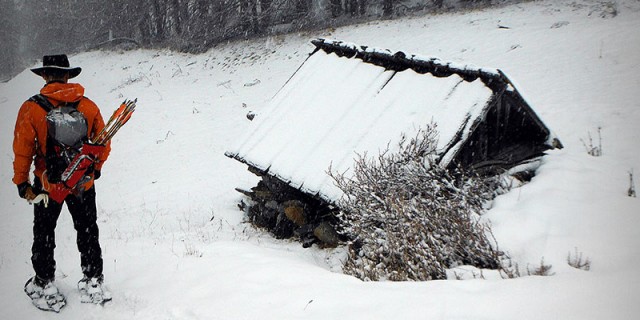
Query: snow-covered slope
point(176, 247)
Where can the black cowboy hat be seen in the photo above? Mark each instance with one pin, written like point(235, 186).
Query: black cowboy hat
point(56, 64)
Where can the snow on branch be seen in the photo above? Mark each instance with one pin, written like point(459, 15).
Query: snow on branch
point(410, 219)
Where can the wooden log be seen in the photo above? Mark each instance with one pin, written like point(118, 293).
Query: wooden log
point(327, 234)
point(294, 210)
point(245, 192)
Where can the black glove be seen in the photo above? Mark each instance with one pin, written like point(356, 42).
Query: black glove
point(92, 169)
point(25, 191)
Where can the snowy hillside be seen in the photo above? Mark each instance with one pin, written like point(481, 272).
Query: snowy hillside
point(174, 242)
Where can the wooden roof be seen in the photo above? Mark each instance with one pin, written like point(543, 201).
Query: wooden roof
point(346, 100)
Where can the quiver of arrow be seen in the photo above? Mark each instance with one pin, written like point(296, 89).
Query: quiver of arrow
point(76, 172)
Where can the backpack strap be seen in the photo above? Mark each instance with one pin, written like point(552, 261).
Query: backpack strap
point(42, 101)
point(45, 104)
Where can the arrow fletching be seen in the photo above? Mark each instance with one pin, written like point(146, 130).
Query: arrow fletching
point(119, 117)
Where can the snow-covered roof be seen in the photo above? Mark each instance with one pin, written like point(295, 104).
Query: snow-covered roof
point(400, 61)
point(335, 107)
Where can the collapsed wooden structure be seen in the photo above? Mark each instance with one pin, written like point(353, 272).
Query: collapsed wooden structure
point(347, 99)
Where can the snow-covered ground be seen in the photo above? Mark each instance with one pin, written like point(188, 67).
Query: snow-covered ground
point(174, 242)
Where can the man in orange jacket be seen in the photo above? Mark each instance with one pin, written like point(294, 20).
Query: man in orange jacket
point(50, 130)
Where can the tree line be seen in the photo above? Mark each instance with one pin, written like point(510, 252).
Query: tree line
point(31, 28)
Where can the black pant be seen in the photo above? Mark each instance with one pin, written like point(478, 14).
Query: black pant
point(84, 214)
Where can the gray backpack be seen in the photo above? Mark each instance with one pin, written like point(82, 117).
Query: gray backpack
point(67, 132)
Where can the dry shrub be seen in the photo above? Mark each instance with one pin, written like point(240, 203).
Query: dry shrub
point(410, 219)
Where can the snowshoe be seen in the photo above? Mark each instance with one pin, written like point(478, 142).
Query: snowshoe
point(44, 295)
point(93, 291)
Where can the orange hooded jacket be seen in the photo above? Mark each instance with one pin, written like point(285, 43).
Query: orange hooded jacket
point(30, 135)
